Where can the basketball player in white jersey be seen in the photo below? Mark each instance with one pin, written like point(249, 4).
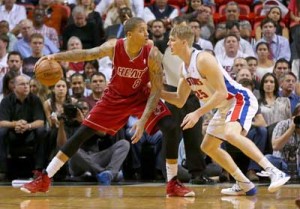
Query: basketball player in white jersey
point(235, 105)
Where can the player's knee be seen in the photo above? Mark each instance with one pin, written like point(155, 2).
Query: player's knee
point(207, 147)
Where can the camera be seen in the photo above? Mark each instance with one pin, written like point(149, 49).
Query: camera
point(297, 121)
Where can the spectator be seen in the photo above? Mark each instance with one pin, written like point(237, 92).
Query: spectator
point(136, 149)
point(36, 45)
point(243, 73)
point(56, 16)
point(285, 144)
point(280, 47)
point(274, 14)
point(205, 18)
point(78, 87)
point(39, 26)
point(4, 41)
point(287, 84)
point(196, 28)
point(8, 83)
point(39, 90)
point(87, 32)
point(22, 122)
point(265, 63)
point(238, 64)
point(219, 33)
point(244, 46)
point(92, 16)
point(159, 35)
point(117, 30)
point(246, 31)
point(282, 66)
point(160, 9)
point(23, 44)
point(252, 66)
point(98, 84)
point(13, 13)
point(273, 107)
point(90, 68)
point(4, 29)
point(231, 51)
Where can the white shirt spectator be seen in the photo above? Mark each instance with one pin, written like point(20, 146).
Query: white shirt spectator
point(13, 17)
point(105, 67)
point(205, 44)
point(245, 47)
point(149, 16)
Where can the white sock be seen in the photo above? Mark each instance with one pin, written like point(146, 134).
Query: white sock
point(54, 166)
point(265, 163)
point(239, 176)
point(171, 170)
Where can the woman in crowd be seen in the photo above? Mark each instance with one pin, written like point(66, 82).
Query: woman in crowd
point(264, 62)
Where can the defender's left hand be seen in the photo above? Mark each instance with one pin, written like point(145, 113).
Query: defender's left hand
point(189, 120)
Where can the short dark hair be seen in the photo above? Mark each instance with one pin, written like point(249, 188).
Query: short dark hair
point(132, 23)
point(247, 82)
point(98, 74)
point(76, 75)
point(251, 58)
point(231, 34)
point(282, 60)
point(267, 20)
point(231, 24)
point(37, 35)
point(14, 53)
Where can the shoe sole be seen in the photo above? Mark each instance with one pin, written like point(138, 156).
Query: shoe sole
point(23, 189)
point(278, 185)
point(251, 192)
point(190, 194)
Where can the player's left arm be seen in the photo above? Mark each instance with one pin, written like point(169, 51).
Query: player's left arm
point(208, 68)
point(156, 79)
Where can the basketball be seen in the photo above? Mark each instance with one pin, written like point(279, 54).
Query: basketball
point(48, 72)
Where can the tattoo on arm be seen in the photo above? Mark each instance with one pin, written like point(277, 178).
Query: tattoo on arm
point(105, 49)
point(156, 79)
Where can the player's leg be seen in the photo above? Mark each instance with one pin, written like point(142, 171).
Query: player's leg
point(212, 147)
point(42, 182)
point(233, 135)
point(171, 141)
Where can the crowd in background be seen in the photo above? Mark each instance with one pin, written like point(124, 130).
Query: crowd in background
point(256, 41)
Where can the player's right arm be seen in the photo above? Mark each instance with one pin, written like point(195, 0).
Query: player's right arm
point(177, 98)
point(77, 55)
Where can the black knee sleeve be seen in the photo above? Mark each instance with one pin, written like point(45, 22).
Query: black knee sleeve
point(171, 136)
point(74, 142)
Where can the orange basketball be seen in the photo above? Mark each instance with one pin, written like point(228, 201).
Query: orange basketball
point(48, 72)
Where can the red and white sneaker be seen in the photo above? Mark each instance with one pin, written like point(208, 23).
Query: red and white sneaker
point(176, 189)
point(41, 183)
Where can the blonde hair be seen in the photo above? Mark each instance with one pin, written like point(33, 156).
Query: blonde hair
point(183, 32)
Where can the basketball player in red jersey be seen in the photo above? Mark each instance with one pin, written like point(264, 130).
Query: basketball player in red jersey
point(135, 64)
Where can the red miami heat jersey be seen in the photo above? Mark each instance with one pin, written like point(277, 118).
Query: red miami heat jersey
point(129, 76)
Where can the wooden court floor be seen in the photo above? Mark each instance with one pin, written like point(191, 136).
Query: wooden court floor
point(144, 196)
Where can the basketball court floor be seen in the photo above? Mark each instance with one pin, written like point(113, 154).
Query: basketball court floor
point(144, 196)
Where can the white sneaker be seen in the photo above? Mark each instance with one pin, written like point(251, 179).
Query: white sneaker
point(278, 179)
point(237, 190)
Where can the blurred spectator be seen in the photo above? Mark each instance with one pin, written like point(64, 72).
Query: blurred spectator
point(280, 46)
point(243, 73)
point(264, 62)
point(56, 16)
point(13, 13)
point(98, 84)
point(231, 51)
point(22, 122)
point(205, 17)
point(4, 41)
point(136, 5)
point(39, 90)
point(159, 35)
point(232, 27)
point(8, 84)
point(285, 144)
point(190, 11)
point(36, 45)
point(246, 31)
point(275, 15)
point(273, 107)
point(92, 15)
point(23, 44)
point(196, 28)
point(4, 29)
point(112, 15)
point(39, 26)
point(288, 84)
point(78, 88)
point(87, 32)
point(238, 64)
point(90, 68)
point(160, 9)
point(117, 30)
point(136, 149)
point(219, 33)
point(282, 66)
